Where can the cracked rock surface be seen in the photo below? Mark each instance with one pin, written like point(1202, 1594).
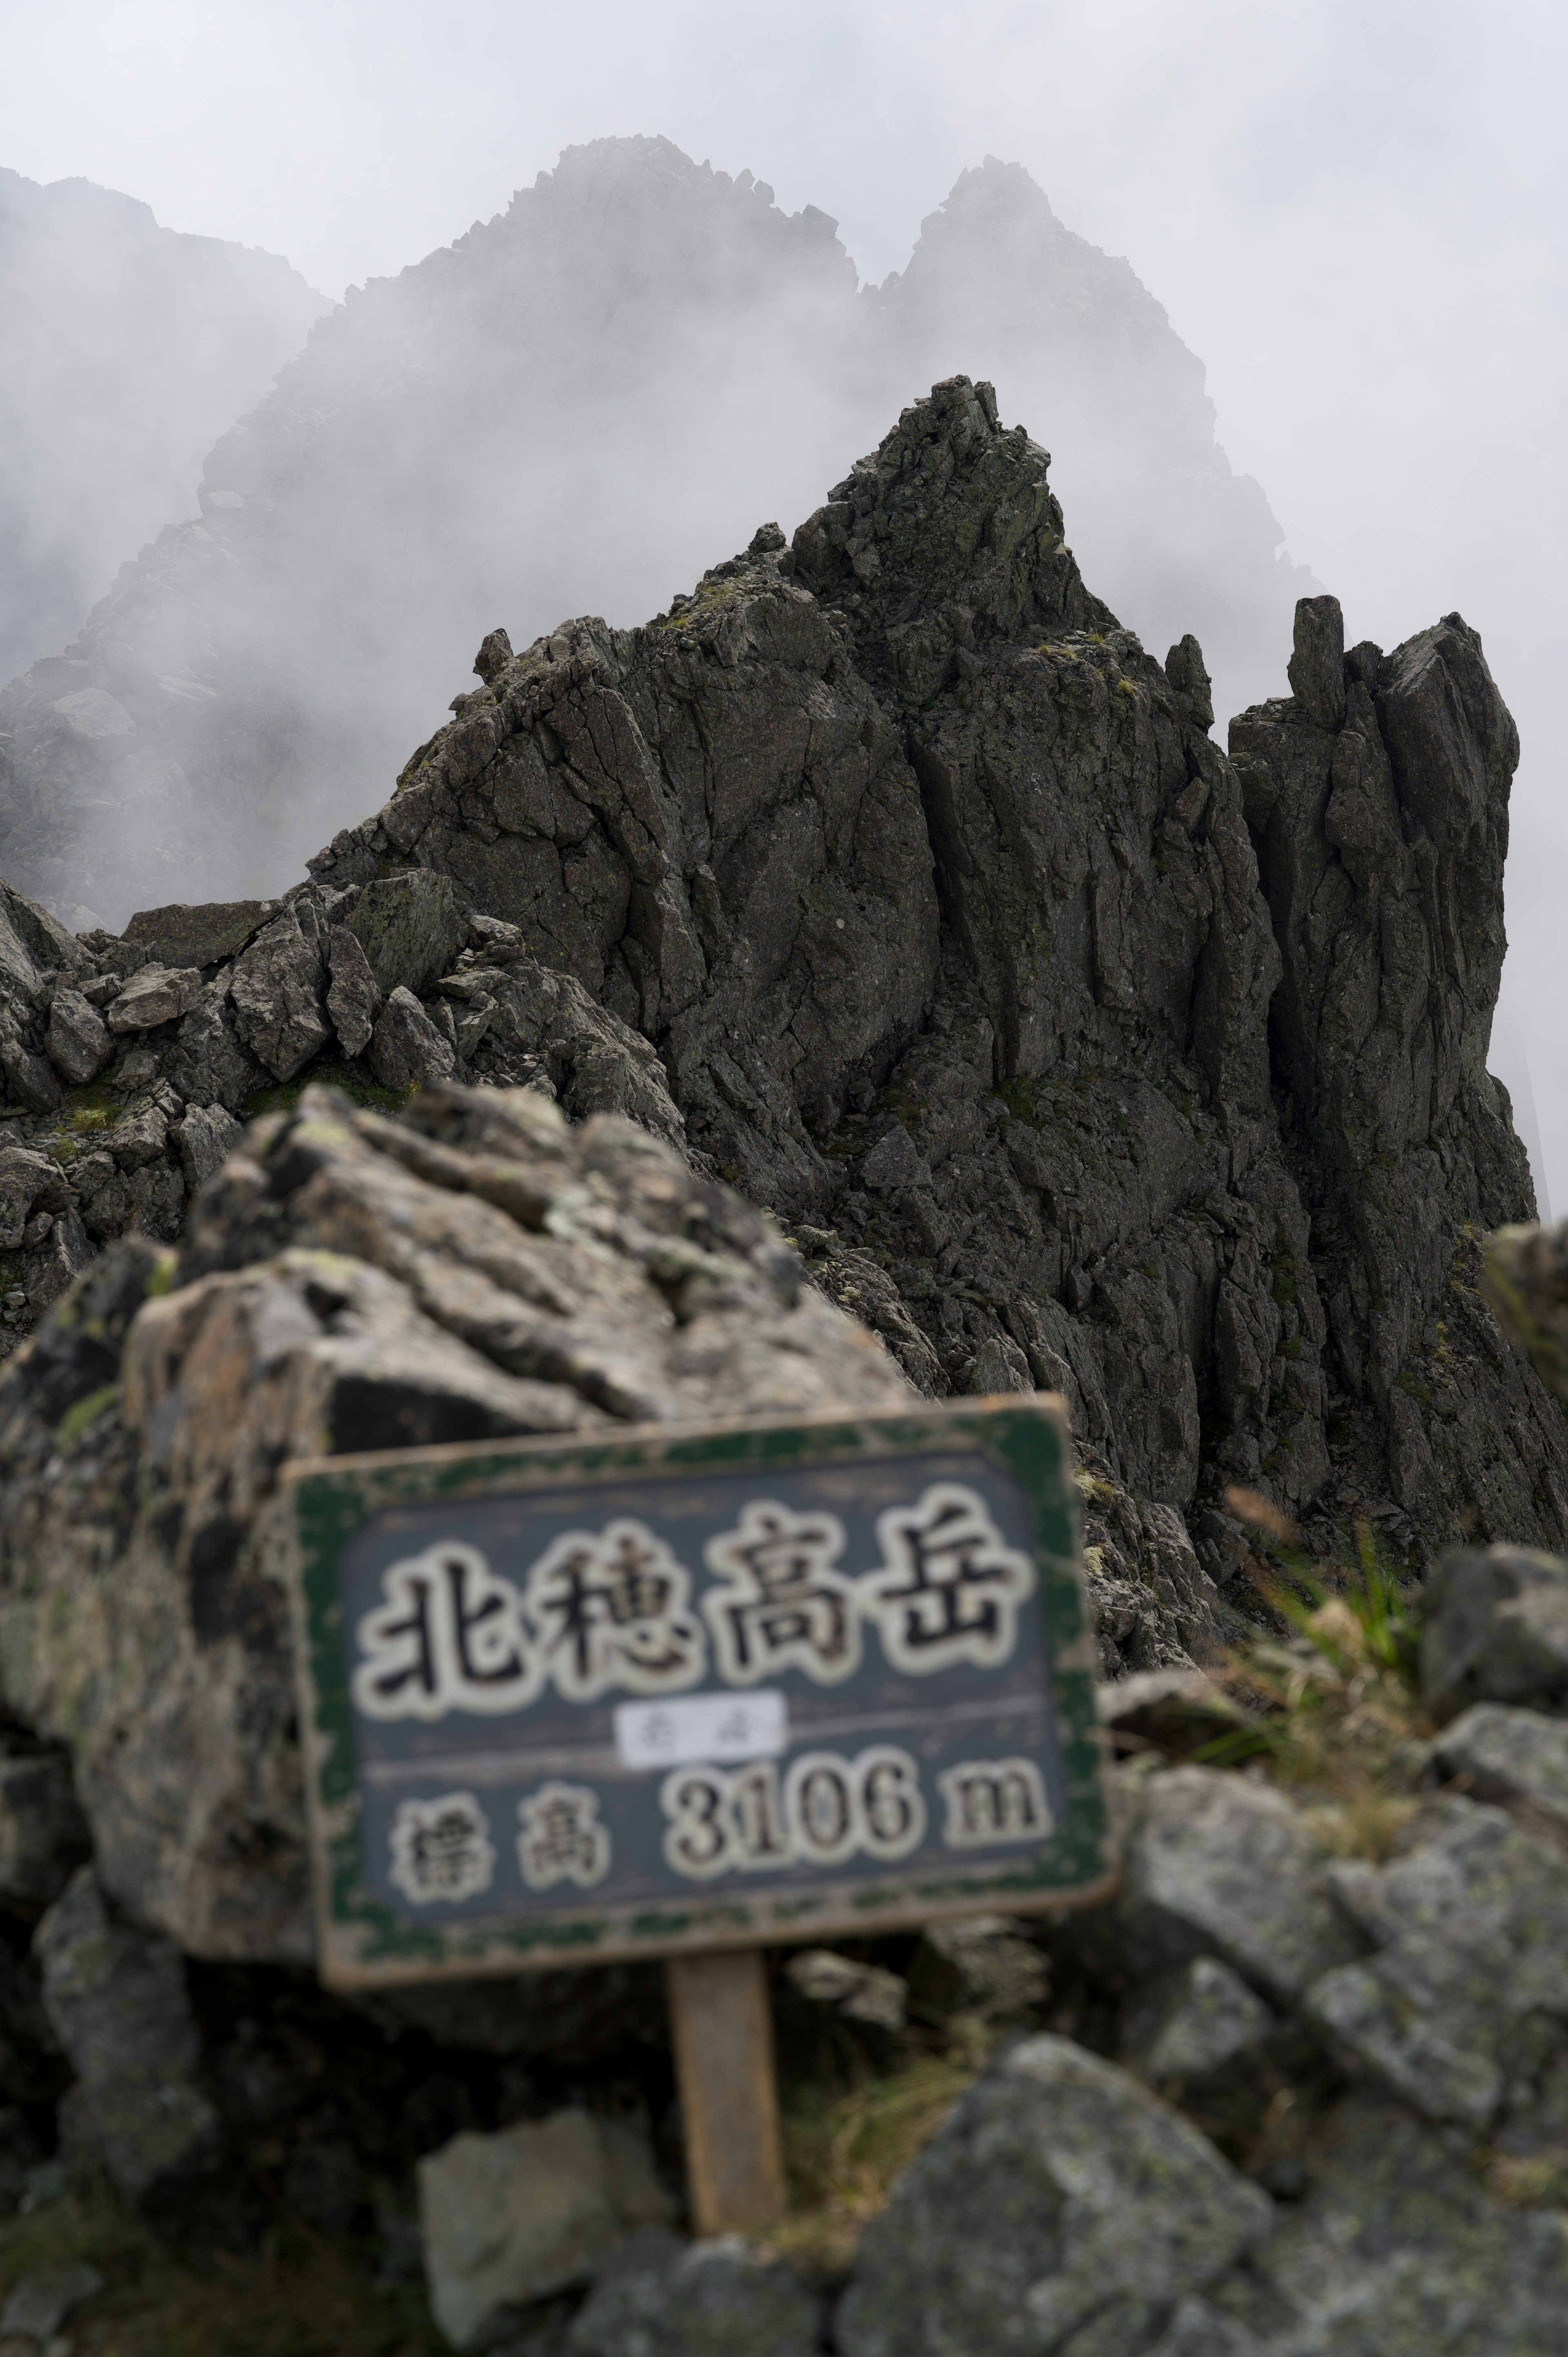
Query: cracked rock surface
point(1076, 1053)
point(347, 1281)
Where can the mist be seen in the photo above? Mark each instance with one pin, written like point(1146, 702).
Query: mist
point(127, 351)
point(575, 408)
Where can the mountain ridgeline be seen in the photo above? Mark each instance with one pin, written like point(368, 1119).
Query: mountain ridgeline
point(888, 878)
point(567, 410)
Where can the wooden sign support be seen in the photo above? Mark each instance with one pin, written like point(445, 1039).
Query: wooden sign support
point(722, 2031)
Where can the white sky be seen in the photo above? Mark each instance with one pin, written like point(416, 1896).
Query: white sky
point(1353, 209)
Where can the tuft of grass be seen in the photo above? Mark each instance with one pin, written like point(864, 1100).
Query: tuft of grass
point(1526, 2180)
point(298, 2297)
point(844, 2151)
point(86, 1412)
point(1333, 1705)
point(335, 1075)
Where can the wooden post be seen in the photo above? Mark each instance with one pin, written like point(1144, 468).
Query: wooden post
point(730, 2095)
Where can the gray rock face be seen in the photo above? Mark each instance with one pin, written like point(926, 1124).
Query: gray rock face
point(78, 1040)
point(116, 1997)
point(156, 994)
point(1470, 1924)
point(41, 2303)
point(353, 1000)
point(1224, 1865)
point(205, 935)
point(1060, 2207)
point(475, 1268)
point(406, 1046)
point(411, 928)
point(662, 2297)
point(1194, 2022)
point(1509, 1755)
point(507, 2220)
point(278, 989)
point(1495, 1627)
point(1396, 2252)
point(997, 977)
point(206, 1137)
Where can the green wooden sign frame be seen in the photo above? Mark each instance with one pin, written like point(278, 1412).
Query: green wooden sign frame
point(364, 1942)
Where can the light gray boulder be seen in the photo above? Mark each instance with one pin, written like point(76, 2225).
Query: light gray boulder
point(662, 2298)
point(205, 1138)
point(1470, 1925)
point(353, 999)
point(116, 1999)
point(37, 2307)
point(1495, 1627)
point(507, 2220)
point(406, 1048)
point(1060, 2200)
point(30, 1182)
point(200, 935)
point(27, 1075)
point(155, 995)
point(278, 989)
point(345, 1282)
point(1397, 2252)
point(1223, 1864)
point(78, 1040)
point(1192, 2023)
point(1508, 1756)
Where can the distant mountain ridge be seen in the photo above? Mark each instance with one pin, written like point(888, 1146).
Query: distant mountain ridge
point(570, 405)
point(127, 348)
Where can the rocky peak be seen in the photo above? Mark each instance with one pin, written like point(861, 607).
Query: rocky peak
point(1081, 1054)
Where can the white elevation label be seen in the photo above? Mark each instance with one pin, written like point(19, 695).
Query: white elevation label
point(717, 1727)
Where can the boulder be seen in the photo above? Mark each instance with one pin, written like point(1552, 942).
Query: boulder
point(1223, 1864)
point(206, 1137)
point(116, 1997)
point(28, 1182)
point(477, 1267)
point(28, 1076)
point(78, 1039)
point(405, 1048)
point(662, 2298)
point(278, 987)
point(208, 1061)
point(155, 995)
point(1193, 2023)
point(1470, 1929)
point(1511, 1756)
point(411, 928)
point(1494, 1628)
point(36, 2308)
point(353, 1000)
point(983, 1964)
point(1061, 2200)
point(509, 2219)
point(1395, 2251)
point(203, 935)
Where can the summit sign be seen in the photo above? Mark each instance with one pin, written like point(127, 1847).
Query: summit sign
point(688, 1688)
